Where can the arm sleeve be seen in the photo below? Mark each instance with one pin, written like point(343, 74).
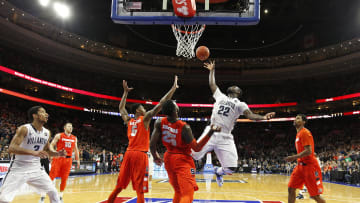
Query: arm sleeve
point(218, 94)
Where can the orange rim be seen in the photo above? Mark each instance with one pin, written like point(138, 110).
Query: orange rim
point(186, 32)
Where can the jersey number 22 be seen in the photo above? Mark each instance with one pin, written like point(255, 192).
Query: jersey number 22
point(224, 110)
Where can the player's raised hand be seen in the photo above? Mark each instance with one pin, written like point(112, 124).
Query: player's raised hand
point(175, 85)
point(210, 66)
point(62, 153)
point(269, 116)
point(125, 86)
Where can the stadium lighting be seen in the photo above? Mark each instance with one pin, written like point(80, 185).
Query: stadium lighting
point(266, 11)
point(44, 3)
point(62, 10)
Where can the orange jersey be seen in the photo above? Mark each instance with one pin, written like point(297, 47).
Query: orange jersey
point(171, 137)
point(67, 143)
point(138, 135)
point(304, 138)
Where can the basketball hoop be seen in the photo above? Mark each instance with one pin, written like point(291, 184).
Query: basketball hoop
point(187, 37)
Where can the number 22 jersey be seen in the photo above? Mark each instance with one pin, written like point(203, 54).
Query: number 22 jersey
point(226, 110)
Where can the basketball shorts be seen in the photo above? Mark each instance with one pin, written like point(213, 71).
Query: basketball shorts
point(181, 171)
point(310, 175)
point(223, 145)
point(14, 180)
point(60, 167)
point(135, 168)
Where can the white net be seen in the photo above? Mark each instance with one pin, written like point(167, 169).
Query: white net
point(187, 37)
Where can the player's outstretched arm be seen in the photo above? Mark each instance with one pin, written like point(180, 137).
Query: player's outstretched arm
point(253, 116)
point(211, 67)
point(188, 138)
point(122, 109)
point(50, 149)
point(155, 137)
point(157, 108)
point(15, 148)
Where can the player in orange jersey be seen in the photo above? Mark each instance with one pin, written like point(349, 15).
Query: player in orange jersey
point(134, 166)
point(308, 170)
point(177, 137)
point(61, 166)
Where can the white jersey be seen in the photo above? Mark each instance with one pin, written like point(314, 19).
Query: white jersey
point(226, 110)
point(34, 140)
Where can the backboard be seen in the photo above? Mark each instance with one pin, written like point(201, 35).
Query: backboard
point(230, 12)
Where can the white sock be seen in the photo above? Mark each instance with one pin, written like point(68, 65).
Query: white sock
point(61, 194)
point(43, 194)
point(301, 192)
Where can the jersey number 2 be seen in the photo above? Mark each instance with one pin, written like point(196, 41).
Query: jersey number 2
point(36, 147)
point(224, 110)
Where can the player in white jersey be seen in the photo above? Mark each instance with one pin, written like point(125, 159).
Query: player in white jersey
point(226, 110)
point(30, 143)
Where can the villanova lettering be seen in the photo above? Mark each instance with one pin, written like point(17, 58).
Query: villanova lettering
point(227, 103)
point(36, 140)
point(166, 127)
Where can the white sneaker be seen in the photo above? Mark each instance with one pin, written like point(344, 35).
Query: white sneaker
point(219, 178)
point(61, 200)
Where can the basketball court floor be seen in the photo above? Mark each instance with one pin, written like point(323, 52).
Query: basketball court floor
point(245, 188)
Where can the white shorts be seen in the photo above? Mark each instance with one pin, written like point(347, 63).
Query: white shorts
point(224, 147)
point(14, 180)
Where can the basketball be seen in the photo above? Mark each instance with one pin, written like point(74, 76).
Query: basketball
point(202, 53)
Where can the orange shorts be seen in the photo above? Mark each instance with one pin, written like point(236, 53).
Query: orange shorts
point(310, 175)
point(60, 167)
point(181, 171)
point(135, 167)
